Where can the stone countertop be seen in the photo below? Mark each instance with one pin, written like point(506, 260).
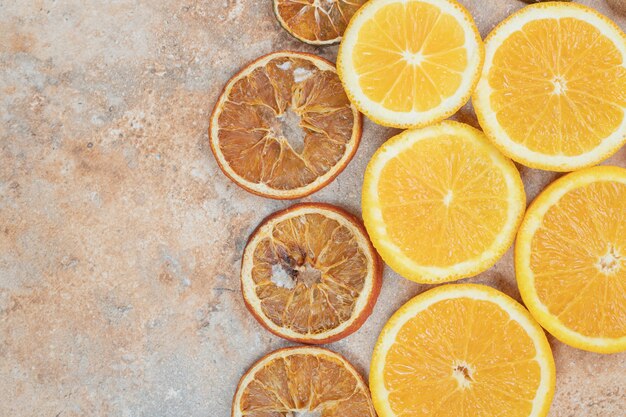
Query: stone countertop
point(120, 239)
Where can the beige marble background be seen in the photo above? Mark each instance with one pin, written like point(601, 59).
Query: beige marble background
point(120, 239)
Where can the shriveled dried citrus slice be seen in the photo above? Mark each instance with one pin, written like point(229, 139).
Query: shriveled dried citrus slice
point(553, 89)
point(317, 22)
point(570, 259)
point(441, 203)
point(302, 382)
point(462, 350)
point(283, 127)
point(310, 274)
point(409, 63)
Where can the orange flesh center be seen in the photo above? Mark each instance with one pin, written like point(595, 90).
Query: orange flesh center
point(285, 124)
point(304, 386)
point(286, 277)
point(464, 357)
point(579, 259)
point(309, 273)
point(559, 86)
point(318, 20)
point(410, 56)
point(288, 127)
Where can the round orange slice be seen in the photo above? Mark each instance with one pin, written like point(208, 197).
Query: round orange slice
point(441, 203)
point(570, 259)
point(410, 63)
point(316, 22)
point(310, 274)
point(302, 382)
point(552, 94)
point(462, 350)
point(283, 127)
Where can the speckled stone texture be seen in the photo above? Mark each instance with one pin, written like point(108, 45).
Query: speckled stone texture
point(120, 239)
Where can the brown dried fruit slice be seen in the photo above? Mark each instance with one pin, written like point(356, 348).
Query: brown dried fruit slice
point(283, 127)
point(302, 382)
point(310, 273)
point(316, 22)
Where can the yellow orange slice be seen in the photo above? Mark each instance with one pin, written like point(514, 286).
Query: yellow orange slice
point(283, 127)
point(441, 203)
point(317, 22)
point(409, 63)
point(570, 259)
point(310, 274)
point(462, 350)
point(552, 94)
point(302, 382)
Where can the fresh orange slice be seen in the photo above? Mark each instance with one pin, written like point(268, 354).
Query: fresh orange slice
point(316, 22)
point(462, 350)
point(441, 203)
point(302, 382)
point(310, 274)
point(553, 89)
point(570, 259)
point(410, 63)
point(283, 127)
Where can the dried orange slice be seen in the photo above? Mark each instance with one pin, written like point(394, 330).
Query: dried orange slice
point(316, 22)
point(310, 274)
point(462, 350)
point(283, 127)
point(302, 382)
point(553, 89)
point(570, 259)
point(441, 203)
point(410, 63)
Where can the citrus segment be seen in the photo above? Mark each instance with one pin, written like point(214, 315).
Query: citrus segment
point(553, 89)
point(302, 382)
point(571, 259)
point(441, 203)
point(317, 22)
point(410, 63)
point(309, 273)
point(283, 127)
point(462, 350)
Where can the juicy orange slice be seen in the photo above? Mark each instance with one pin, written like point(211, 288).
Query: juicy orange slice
point(462, 350)
point(570, 259)
point(441, 203)
point(317, 22)
point(310, 274)
point(409, 63)
point(553, 89)
point(302, 382)
point(283, 127)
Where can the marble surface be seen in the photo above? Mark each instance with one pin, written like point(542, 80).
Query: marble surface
point(120, 239)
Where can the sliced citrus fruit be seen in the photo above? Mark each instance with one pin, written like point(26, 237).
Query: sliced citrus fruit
point(553, 89)
point(310, 274)
point(409, 63)
point(317, 22)
point(283, 127)
point(570, 259)
point(441, 203)
point(302, 382)
point(462, 350)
